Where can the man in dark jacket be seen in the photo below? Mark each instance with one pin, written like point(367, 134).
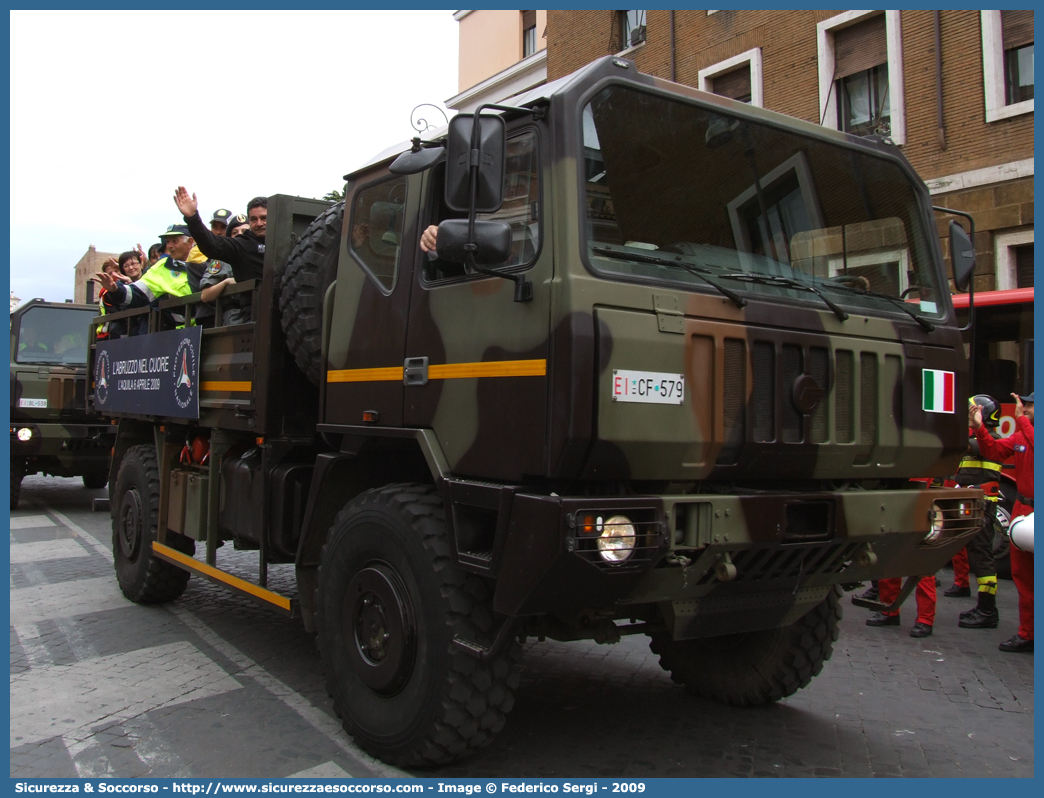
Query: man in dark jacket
point(245, 253)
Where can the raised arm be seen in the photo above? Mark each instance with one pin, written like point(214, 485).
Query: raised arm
point(217, 247)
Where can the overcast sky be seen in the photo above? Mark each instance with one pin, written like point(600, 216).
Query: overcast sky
point(111, 111)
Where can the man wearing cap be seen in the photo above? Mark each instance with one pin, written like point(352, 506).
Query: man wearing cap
point(245, 253)
point(169, 277)
point(219, 221)
point(1019, 444)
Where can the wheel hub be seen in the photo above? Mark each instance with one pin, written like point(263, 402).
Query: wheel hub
point(379, 620)
point(129, 529)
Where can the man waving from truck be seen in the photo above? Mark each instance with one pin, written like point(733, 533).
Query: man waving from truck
point(245, 253)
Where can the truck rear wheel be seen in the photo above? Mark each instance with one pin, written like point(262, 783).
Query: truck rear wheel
point(310, 270)
point(17, 474)
point(754, 668)
point(143, 577)
point(389, 603)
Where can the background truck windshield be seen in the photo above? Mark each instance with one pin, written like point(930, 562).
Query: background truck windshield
point(680, 189)
point(53, 335)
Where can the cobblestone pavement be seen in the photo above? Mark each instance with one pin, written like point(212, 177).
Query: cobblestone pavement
point(214, 685)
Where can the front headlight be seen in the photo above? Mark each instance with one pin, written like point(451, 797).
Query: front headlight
point(25, 434)
point(935, 518)
point(616, 539)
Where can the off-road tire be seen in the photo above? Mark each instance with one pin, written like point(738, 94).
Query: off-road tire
point(754, 668)
point(17, 475)
point(440, 703)
point(96, 480)
point(143, 577)
point(310, 270)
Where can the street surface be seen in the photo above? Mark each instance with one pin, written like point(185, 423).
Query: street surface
point(214, 685)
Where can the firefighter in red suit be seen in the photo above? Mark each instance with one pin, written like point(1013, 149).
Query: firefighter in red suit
point(1020, 444)
point(888, 591)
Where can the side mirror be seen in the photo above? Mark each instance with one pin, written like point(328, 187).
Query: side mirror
point(492, 241)
point(410, 162)
point(962, 255)
point(492, 137)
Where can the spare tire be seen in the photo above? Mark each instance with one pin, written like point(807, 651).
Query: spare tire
point(310, 270)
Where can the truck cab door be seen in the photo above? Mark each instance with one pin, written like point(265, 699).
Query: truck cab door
point(476, 360)
point(367, 339)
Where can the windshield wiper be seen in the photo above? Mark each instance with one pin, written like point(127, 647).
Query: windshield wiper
point(676, 264)
point(904, 306)
point(785, 282)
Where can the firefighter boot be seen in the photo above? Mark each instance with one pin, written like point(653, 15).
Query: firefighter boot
point(984, 615)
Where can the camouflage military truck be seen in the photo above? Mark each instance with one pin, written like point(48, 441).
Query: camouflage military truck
point(52, 431)
point(669, 372)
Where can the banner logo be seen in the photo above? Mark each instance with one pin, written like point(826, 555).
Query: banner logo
point(101, 378)
point(184, 368)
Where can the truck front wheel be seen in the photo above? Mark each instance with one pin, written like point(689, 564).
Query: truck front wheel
point(754, 668)
point(143, 577)
point(17, 474)
point(96, 479)
point(389, 603)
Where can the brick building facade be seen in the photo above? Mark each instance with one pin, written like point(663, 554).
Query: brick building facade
point(84, 289)
point(980, 160)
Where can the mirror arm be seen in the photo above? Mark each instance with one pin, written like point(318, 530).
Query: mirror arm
point(417, 144)
point(523, 287)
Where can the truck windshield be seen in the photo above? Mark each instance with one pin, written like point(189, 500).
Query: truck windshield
point(54, 335)
point(743, 200)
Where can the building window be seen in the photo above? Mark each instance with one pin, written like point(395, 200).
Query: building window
point(1017, 35)
point(632, 28)
point(738, 78)
point(862, 106)
point(1018, 73)
point(1007, 63)
point(1013, 257)
point(861, 74)
point(529, 40)
point(1024, 266)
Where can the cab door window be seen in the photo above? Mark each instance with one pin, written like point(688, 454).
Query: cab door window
point(378, 217)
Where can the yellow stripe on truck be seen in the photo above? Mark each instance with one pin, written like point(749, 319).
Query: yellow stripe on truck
point(393, 374)
point(238, 386)
point(447, 371)
point(176, 557)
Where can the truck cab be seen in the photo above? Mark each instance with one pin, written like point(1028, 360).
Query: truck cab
point(669, 370)
point(52, 430)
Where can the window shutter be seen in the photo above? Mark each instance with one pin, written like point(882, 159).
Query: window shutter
point(1018, 28)
point(528, 20)
point(860, 47)
point(734, 85)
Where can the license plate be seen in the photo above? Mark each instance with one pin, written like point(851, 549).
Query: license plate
point(648, 387)
point(32, 403)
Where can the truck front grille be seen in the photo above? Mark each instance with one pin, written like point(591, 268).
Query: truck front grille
point(849, 412)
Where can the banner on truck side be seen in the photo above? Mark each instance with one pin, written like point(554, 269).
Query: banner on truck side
point(152, 375)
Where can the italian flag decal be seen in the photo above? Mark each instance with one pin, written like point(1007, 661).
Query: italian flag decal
point(938, 391)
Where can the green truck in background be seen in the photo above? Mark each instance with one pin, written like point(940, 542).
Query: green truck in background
point(52, 431)
point(669, 371)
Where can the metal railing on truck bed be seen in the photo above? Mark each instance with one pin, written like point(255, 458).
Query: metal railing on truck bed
point(248, 380)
